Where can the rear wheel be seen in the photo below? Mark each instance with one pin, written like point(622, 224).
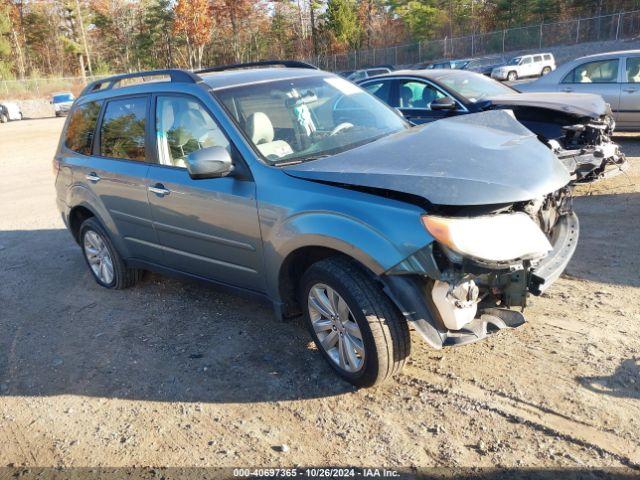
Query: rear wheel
point(512, 76)
point(353, 323)
point(3, 118)
point(104, 261)
point(546, 70)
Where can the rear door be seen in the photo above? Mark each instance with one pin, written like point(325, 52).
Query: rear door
point(629, 111)
point(115, 167)
point(207, 227)
point(600, 77)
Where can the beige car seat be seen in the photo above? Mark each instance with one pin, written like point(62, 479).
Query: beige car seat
point(260, 130)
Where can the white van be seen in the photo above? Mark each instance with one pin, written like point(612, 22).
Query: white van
point(523, 66)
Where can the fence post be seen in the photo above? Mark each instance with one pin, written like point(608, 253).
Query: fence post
point(6, 87)
point(419, 52)
point(541, 35)
point(335, 63)
point(504, 34)
point(578, 31)
point(396, 56)
point(618, 26)
point(473, 45)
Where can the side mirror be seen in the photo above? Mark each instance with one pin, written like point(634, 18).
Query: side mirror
point(444, 103)
point(211, 162)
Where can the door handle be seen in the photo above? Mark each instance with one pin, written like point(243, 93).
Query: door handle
point(630, 90)
point(567, 89)
point(92, 177)
point(159, 189)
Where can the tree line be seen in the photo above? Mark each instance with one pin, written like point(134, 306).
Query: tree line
point(93, 37)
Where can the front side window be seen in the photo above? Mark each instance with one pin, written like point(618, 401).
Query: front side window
point(604, 71)
point(414, 94)
point(123, 129)
point(382, 90)
point(633, 70)
point(526, 60)
point(303, 118)
point(183, 126)
point(82, 126)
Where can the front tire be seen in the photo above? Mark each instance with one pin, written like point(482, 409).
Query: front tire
point(353, 323)
point(104, 262)
point(512, 76)
point(3, 118)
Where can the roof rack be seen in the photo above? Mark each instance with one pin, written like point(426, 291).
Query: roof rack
point(264, 63)
point(175, 75)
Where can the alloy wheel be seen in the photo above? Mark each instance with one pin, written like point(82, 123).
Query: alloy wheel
point(336, 328)
point(98, 257)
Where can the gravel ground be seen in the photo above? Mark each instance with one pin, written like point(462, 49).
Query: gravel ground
point(172, 373)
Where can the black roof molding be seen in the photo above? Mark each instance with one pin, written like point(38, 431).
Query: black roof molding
point(175, 75)
point(264, 63)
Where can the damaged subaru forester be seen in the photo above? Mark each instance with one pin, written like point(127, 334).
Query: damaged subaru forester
point(299, 187)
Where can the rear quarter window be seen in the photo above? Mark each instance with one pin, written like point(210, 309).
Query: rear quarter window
point(122, 134)
point(81, 128)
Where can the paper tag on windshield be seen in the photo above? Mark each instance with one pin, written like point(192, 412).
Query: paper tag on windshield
point(345, 86)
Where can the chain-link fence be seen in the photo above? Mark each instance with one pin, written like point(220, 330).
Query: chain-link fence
point(618, 26)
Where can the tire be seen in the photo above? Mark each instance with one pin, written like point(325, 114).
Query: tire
point(545, 70)
point(122, 276)
point(3, 118)
point(384, 333)
point(512, 76)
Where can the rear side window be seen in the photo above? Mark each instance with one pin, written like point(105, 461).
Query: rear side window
point(537, 58)
point(605, 71)
point(547, 56)
point(122, 134)
point(82, 125)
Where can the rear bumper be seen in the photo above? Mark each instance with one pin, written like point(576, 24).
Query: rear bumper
point(546, 272)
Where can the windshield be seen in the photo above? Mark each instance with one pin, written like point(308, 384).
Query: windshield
point(515, 61)
point(474, 87)
point(306, 118)
point(63, 97)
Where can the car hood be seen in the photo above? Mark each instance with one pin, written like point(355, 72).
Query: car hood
point(477, 159)
point(582, 104)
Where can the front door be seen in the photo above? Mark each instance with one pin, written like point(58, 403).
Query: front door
point(207, 227)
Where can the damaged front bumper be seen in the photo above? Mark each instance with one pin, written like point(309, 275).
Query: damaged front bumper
point(592, 163)
point(411, 284)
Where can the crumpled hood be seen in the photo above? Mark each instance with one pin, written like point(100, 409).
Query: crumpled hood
point(582, 104)
point(478, 159)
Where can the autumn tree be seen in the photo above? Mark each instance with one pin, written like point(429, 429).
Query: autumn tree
point(193, 22)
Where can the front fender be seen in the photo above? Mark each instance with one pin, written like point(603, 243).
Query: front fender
point(339, 232)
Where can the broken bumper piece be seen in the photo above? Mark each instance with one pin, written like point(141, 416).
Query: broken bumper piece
point(491, 320)
point(594, 163)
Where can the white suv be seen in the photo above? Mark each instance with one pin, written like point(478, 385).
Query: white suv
point(525, 66)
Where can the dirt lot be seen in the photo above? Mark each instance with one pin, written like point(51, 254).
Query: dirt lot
point(179, 374)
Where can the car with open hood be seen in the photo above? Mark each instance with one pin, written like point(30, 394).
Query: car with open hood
point(296, 186)
point(577, 128)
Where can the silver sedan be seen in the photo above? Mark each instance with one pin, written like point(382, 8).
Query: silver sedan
point(614, 75)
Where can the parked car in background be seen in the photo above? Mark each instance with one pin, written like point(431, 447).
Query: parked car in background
point(345, 73)
point(368, 72)
point(448, 64)
point(62, 102)
point(9, 111)
point(577, 128)
point(525, 66)
point(615, 76)
point(297, 186)
point(484, 65)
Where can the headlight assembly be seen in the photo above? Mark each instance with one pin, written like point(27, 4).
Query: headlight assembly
point(494, 238)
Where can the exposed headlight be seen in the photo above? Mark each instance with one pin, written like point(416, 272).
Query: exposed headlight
point(494, 238)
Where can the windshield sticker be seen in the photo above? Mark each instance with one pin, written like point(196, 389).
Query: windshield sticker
point(345, 86)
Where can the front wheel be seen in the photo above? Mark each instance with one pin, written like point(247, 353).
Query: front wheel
point(3, 118)
point(353, 323)
point(512, 76)
point(104, 261)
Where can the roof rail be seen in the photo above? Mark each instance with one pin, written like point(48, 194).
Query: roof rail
point(264, 63)
point(175, 75)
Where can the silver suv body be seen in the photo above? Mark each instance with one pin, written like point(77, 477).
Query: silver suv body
point(297, 186)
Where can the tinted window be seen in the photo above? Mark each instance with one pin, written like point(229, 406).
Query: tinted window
point(183, 126)
point(123, 129)
point(633, 70)
point(547, 57)
point(82, 125)
point(537, 58)
point(605, 71)
point(526, 60)
point(417, 94)
point(380, 90)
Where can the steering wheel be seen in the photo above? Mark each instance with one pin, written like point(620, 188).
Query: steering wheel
point(342, 126)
